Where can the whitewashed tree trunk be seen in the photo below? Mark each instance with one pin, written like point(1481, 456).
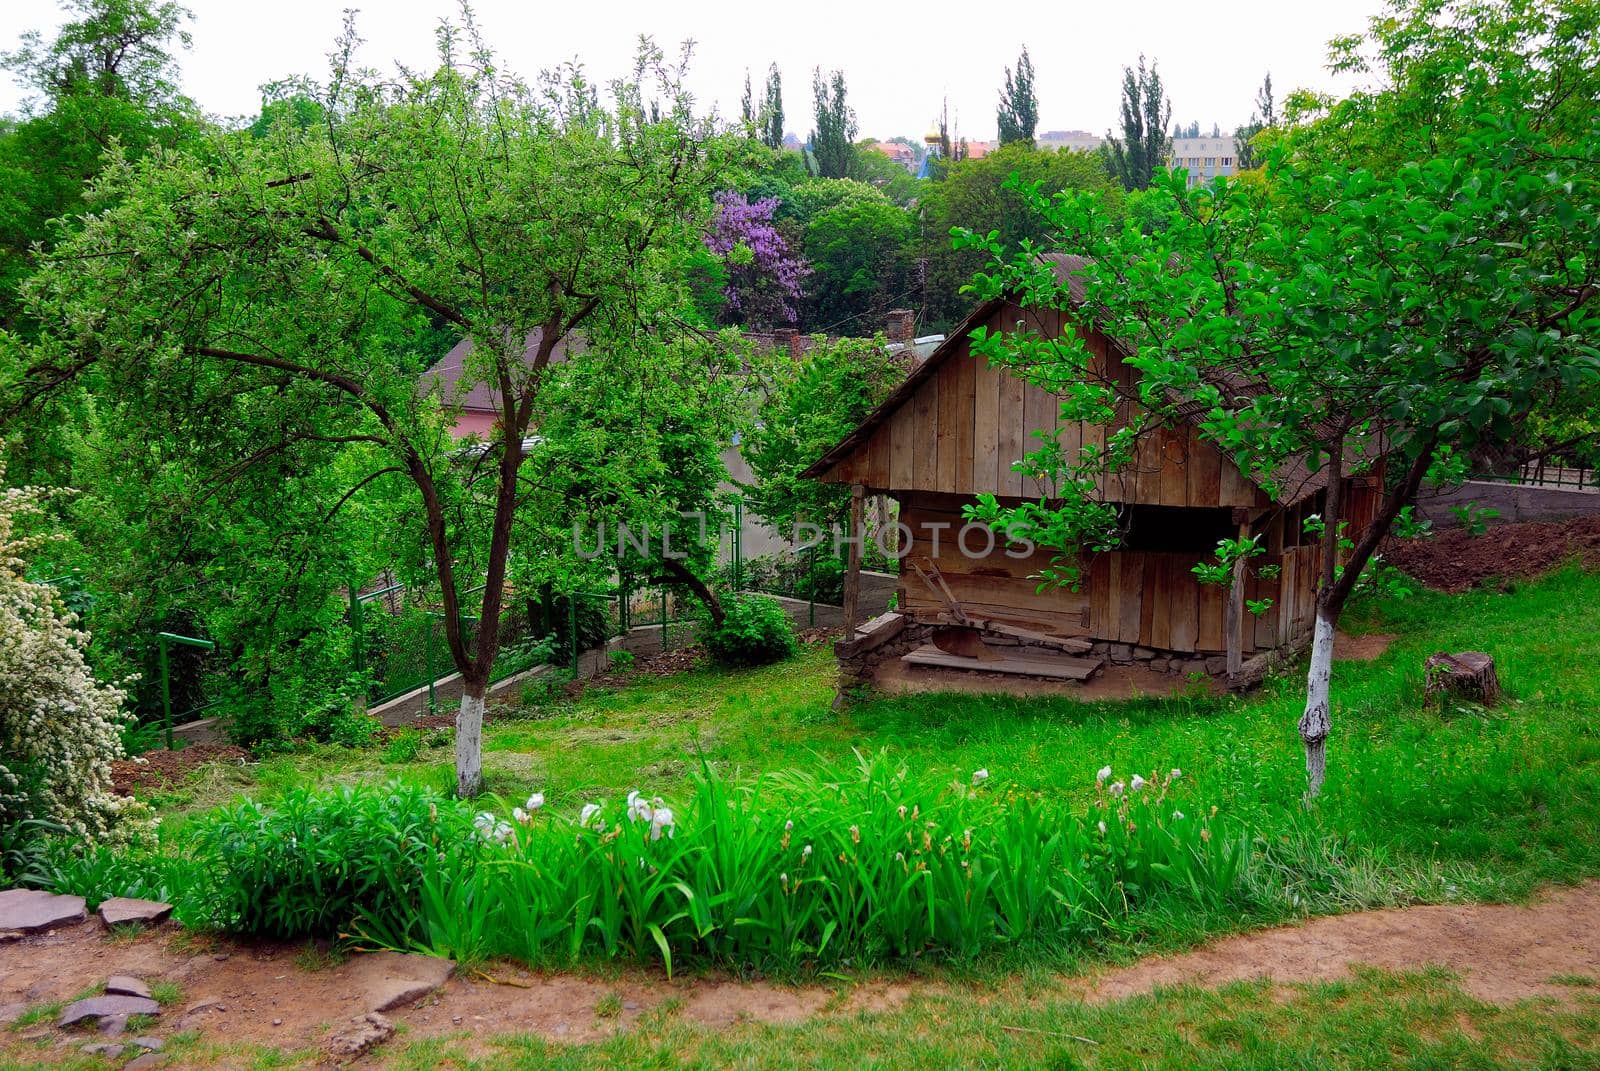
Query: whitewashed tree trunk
point(1317, 719)
point(469, 745)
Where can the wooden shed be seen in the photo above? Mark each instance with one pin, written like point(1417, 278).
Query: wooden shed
point(954, 428)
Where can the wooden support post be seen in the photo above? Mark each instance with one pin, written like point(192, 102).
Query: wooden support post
point(1233, 616)
point(852, 576)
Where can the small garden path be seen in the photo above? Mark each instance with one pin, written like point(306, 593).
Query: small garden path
point(290, 998)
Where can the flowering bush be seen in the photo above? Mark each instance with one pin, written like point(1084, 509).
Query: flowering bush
point(764, 278)
point(59, 727)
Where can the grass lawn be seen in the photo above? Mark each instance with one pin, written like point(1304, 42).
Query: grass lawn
point(1419, 804)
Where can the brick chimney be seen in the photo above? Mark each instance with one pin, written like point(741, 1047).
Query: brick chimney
point(798, 344)
point(783, 340)
point(902, 326)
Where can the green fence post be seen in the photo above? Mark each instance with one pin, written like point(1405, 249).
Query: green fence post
point(359, 650)
point(427, 658)
point(738, 544)
point(811, 553)
point(162, 640)
point(663, 620)
point(572, 629)
point(166, 689)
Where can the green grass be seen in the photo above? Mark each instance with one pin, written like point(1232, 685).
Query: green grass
point(1419, 804)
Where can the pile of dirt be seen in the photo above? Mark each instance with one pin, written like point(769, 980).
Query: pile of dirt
point(1455, 560)
point(664, 664)
point(819, 634)
point(157, 769)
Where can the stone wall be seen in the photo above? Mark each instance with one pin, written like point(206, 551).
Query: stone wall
point(1516, 502)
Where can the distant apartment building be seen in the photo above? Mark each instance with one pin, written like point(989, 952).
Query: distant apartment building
point(1078, 140)
point(1204, 158)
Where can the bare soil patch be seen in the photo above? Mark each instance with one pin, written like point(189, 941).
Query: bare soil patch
point(1503, 952)
point(1455, 560)
point(288, 996)
point(1368, 647)
point(161, 768)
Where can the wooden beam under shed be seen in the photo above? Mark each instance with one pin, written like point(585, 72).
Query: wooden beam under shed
point(852, 576)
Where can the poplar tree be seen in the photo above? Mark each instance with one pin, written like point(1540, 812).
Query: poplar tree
point(1144, 145)
point(1018, 116)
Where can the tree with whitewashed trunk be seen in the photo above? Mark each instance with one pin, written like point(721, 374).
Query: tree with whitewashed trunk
point(280, 293)
point(1411, 273)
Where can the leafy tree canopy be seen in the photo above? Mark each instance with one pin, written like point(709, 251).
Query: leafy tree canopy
point(1391, 290)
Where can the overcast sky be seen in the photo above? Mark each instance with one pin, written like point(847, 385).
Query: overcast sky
point(899, 59)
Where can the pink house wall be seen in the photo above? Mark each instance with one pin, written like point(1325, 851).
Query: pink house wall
point(477, 422)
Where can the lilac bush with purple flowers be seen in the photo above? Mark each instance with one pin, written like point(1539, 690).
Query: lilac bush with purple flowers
point(764, 278)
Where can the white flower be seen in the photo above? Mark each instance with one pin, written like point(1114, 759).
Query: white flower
point(536, 801)
point(639, 809)
point(520, 815)
point(1102, 829)
point(1137, 783)
point(485, 821)
point(587, 815)
point(1100, 778)
point(979, 776)
point(787, 826)
point(1116, 788)
point(805, 853)
point(1176, 773)
point(660, 819)
point(1177, 816)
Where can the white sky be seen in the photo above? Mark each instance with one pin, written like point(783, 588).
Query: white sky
point(899, 59)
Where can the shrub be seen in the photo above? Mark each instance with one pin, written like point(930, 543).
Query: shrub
point(594, 625)
point(403, 747)
point(59, 727)
point(315, 863)
point(754, 632)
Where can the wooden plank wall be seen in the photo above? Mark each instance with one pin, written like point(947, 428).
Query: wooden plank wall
point(1149, 598)
point(962, 429)
point(1153, 599)
point(994, 585)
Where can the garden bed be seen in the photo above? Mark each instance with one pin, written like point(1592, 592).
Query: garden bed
point(162, 768)
point(1453, 559)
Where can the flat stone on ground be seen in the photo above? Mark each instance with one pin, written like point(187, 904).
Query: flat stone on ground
point(362, 1033)
point(127, 985)
point(105, 1007)
point(388, 980)
point(120, 910)
point(149, 1044)
point(148, 1062)
point(33, 910)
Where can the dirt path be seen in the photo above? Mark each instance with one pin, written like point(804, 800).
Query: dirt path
point(285, 997)
point(1503, 952)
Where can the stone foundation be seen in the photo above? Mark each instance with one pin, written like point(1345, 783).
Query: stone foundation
point(891, 636)
point(1178, 663)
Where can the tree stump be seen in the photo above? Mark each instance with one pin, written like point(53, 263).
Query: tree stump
point(1468, 675)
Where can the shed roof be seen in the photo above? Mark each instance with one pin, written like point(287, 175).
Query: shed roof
point(1293, 481)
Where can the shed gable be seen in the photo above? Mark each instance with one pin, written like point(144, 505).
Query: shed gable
point(958, 424)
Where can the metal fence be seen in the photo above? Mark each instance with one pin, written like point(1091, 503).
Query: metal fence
point(1543, 474)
